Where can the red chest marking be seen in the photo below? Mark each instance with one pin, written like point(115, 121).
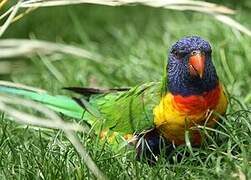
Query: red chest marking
point(195, 104)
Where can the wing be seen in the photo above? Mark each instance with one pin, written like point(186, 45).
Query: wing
point(121, 117)
point(125, 112)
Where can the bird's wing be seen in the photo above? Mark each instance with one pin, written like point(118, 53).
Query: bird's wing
point(127, 112)
point(122, 117)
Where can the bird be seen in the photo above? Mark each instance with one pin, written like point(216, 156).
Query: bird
point(152, 116)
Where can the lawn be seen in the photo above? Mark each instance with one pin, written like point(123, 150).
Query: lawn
point(130, 46)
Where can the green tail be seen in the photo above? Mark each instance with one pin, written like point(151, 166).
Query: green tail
point(126, 112)
point(62, 104)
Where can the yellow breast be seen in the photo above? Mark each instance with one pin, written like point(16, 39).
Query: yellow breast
point(173, 120)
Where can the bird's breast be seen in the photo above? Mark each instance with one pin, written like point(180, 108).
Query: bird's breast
point(174, 114)
point(195, 104)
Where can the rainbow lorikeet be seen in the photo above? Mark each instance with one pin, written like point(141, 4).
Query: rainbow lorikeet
point(152, 111)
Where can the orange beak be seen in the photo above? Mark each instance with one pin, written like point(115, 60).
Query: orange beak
point(197, 64)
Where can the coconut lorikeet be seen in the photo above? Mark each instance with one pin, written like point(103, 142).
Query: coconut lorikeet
point(185, 99)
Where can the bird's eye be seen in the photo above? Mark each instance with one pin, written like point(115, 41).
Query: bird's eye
point(206, 50)
point(179, 54)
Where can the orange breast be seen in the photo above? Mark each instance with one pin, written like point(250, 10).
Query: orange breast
point(195, 104)
point(176, 114)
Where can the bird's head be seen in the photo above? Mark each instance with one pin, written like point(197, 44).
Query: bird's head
point(190, 68)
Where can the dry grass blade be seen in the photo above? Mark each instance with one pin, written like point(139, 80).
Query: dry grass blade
point(23, 47)
point(10, 18)
point(53, 121)
point(21, 15)
point(83, 153)
point(183, 5)
point(2, 3)
point(217, 11)
point(6, 13)
point(16, 85)
point(10, 10)
point(8, 67)
point(46, 3)
point(205, 7)
point(232, 23)
point(200, 6)
point(154, 3)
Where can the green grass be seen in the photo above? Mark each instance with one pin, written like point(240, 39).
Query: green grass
point(133, 43)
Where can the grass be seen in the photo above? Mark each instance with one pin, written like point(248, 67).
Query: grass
point(132, 43)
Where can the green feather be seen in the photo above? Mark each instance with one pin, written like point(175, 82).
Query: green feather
point(62, 104)
point(123, 112)
point(128, 112)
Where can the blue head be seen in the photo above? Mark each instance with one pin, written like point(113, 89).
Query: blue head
point(190, 68)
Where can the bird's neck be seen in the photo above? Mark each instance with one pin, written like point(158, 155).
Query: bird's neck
point(194, 104)
point(186, 88)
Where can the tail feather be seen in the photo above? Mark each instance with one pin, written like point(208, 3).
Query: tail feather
point(91, 91)
point(62, 104)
